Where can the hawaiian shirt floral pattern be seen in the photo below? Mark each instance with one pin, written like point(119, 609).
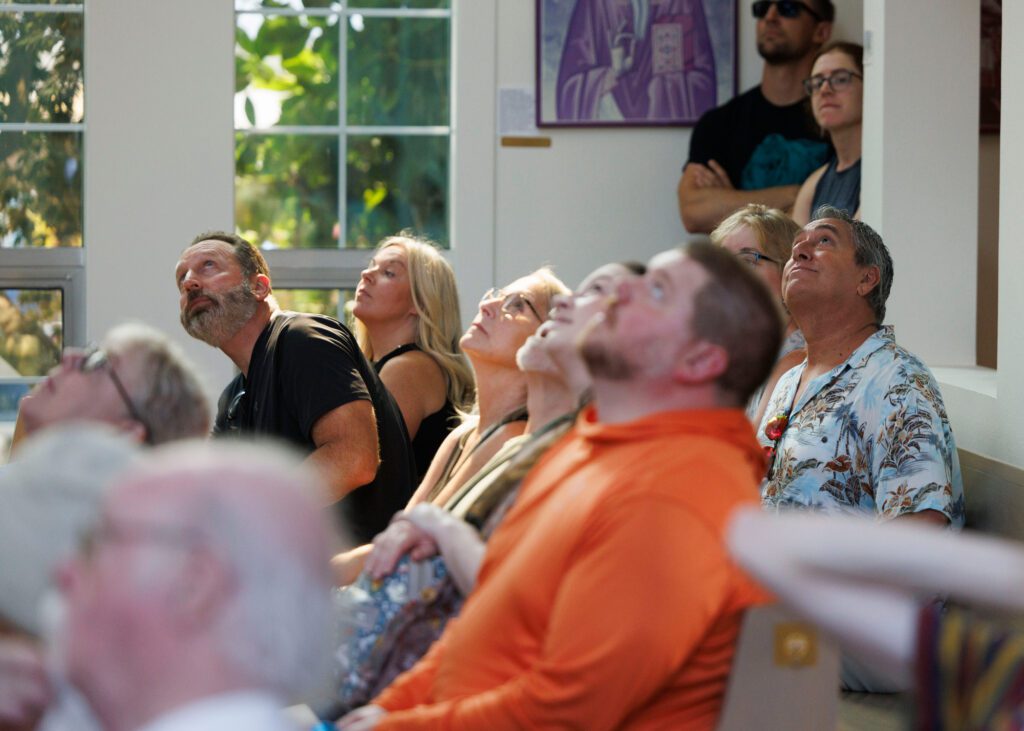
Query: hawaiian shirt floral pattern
point(871, 435)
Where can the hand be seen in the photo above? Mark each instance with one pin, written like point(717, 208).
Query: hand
point(398, 539)
point(362, 719)
point(24, 688)
point(711, 175)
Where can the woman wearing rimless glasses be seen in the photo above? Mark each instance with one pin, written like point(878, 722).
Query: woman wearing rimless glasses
point(836, 89)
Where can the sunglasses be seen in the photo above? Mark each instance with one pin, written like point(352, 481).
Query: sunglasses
point(785, 8)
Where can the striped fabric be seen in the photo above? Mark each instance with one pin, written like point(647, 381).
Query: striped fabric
point(970, 673)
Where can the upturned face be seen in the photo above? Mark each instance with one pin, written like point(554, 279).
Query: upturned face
point(215, 299)
point(823, 268)
point(505, 318)
point(557, 340)
point(75, 391)
point(384, 292)
point(649, 325)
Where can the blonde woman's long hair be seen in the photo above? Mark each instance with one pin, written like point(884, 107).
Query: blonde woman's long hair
point(439, 326)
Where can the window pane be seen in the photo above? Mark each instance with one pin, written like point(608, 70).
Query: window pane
point(400, 4)
point(286, 190)
point(41, 67)
point(286, 70)
point(10, 396)
point(31, 331)
point(294, 4)
point(46, 2)
point(398, 71)
point(40, 189)
point(395, 183)
point(333, 302)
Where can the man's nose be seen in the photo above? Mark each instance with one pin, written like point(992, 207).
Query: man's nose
point(801, 249)
point(189, 281)
point(624, 290)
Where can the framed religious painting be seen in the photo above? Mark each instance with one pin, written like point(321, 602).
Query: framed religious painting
point(609, 63)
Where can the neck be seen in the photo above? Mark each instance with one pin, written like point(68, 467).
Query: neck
point(386, 336)
point(239, 346)
point(499, 391)
point(783, 83)
point(847, 144)
point(547, 397)
point(831, 340)
point(621, 401)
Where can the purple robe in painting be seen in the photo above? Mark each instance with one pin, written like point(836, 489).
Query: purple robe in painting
point(652, 56)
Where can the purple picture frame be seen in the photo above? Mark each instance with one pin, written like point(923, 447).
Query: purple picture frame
point(634, 63)
point(991, 65)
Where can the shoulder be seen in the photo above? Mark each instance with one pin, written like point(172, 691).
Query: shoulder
point(814, 177)
point(414, 372)
point(296, 329)
point(413, 364)
point(711, 123)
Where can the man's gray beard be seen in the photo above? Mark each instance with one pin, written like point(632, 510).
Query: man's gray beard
point(602, 362)
point(224, 318)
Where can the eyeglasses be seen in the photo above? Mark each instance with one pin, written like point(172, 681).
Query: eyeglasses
point(837, 80)
point(96, 358)
point(107, 532)
point(753, 258)
point(514, 304)
point(786, 8)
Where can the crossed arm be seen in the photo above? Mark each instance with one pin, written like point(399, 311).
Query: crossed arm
point(706, 196)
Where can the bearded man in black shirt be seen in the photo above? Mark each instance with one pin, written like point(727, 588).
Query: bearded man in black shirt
point(760, 146)
point(302, 379)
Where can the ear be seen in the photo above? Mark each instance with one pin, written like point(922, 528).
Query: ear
point(703, 362)
point(201, 589)
point(869, 279)
point(261, 286)
point(822, 32)
point(134, 430)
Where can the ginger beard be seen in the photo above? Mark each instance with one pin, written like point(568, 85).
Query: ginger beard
point(603, 359)
point(222, 317)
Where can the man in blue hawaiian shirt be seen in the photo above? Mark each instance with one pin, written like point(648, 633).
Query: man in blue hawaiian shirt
point(860, 425)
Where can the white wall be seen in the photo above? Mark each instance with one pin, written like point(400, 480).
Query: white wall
point(159, 152)
point(920, 178)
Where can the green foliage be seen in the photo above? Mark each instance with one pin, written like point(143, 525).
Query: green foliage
point(41, 173)
point(287, 189)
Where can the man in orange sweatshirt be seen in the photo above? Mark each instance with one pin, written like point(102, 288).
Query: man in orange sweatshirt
point(606, 598)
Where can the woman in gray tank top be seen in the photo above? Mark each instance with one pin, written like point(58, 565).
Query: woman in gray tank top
point(836, 89)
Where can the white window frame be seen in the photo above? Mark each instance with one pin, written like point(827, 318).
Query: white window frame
point(339, 268)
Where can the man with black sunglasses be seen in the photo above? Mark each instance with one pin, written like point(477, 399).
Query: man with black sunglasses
point(760, 146)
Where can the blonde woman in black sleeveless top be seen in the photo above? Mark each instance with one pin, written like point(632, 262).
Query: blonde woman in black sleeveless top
point(407, 322)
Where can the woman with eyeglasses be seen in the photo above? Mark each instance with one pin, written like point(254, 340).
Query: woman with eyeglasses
point(407, 323)
point(763, 238)
point(836, 89)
